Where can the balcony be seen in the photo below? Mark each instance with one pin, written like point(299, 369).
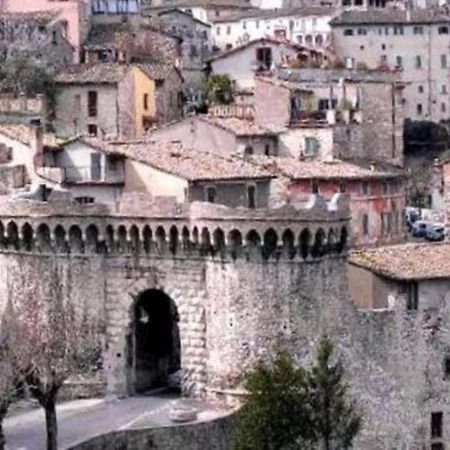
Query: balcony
point(82, 175)
point(306, 118)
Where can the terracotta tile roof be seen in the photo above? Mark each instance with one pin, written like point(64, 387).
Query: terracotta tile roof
point(406, 261)
point(391, 16)
point(105, 73)
point(240, 127)
point(259, 41)
point(39, 17)
point(296, 169)
point(113, 35)
point(22, 133)
point(111, 73)
point(187, 163)
point(158, 70)
point(203, 4)
point(275, 13)
point(183, 13)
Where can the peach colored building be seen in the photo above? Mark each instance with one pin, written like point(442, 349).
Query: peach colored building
point(74, 12)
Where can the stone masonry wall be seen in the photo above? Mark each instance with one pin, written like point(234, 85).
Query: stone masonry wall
point(213, 435)
point(232, 313)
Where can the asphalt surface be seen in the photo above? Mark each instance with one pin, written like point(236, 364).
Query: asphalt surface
point(83, 419)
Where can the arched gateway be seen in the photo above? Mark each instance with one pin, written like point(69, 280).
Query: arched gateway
point(153, 341)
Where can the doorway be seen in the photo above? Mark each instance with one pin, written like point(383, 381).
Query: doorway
point(154, 347)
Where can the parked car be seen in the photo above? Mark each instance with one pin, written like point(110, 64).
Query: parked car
point(412, 215)
point(419, 227)
point(435, 232)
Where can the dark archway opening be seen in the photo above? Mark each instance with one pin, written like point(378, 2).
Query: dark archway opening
point(155, 343)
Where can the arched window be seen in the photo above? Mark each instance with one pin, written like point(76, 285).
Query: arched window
point(235, 243)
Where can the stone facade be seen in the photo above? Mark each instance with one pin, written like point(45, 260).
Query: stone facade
point(213, 435)
point(134, 40)
point(235, 301)
point(40, 35)
point(74, 12)
point(414, 43)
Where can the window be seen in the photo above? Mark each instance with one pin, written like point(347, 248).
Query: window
point(398, 30)
point(365, 188)
point(312, 146)
point(314, 187)
point(365, 224)
point(447, 367)
point(146, 102)
point(443, 30)
point(437, 446)
point(228, 29)
point(342, 187)
point(420, 89)
point(96, 166)
point(386, 31)
point(443, 61)
point(218, 31)
point(92, 103)
point(399, 62)
point(443, 107)
point(348, 32)
point(362, 31)
point(211, 194)
point(92, 130)
point(300, 38)
point(418, 29)
point(384, 188)
point(412, 296)
point(244, 25)
point(54, 38)
point(436, 425)
point(419, 109)
point(267, 150)
point(257, 24)
point(264, 57)
point(84, 200)
point(248, 150)
point(444, 89)
point(383, 46)
point(418, 62)
point(251, 196)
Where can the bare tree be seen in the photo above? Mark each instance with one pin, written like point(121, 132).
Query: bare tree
point(53, 340)
point(8, 377)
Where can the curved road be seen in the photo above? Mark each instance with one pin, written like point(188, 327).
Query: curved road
point(80, 420)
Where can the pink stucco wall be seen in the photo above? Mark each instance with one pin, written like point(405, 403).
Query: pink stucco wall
point(75, 12)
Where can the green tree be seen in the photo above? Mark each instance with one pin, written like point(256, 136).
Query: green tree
point(276, 414)
point(290, 408)
point(336, 421)
point(219, 89)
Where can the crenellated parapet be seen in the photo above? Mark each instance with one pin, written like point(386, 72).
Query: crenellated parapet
point(161, 227)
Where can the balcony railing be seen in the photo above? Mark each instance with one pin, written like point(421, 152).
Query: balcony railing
point(82, 174)
point(305, 117)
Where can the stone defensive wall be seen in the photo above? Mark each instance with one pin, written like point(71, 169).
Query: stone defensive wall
point(161, 227)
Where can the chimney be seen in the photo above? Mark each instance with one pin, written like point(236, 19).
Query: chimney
point(36, 139)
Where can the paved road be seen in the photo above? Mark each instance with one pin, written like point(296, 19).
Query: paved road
point(82, 419)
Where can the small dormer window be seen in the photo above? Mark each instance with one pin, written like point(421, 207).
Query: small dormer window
point(412, 296)
point(312, 146)
point(211, 194)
